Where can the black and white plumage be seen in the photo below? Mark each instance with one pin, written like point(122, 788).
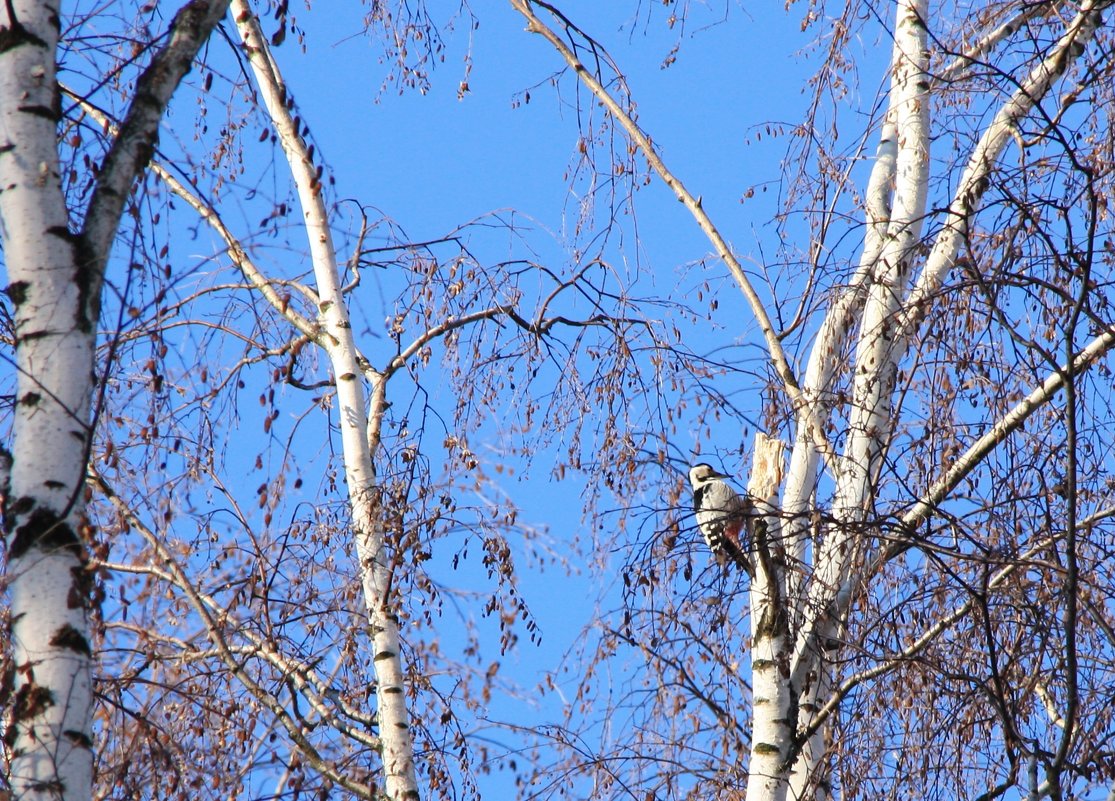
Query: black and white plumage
point(722, 515)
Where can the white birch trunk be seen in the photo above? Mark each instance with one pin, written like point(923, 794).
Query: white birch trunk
point(774, 710)
point(876, 354)
point(48, 714)
point(894, 228)
point(55, 278)
point(825, 360)
point(887, 319)
point(358, 431)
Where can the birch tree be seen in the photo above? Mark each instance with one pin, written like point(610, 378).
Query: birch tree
point(239, 649)
point(360, 381)
point(55, 256)
point(895, 595)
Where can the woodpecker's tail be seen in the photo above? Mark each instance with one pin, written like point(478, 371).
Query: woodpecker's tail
point(731, 550)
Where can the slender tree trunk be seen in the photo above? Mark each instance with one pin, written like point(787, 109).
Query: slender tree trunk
point(775, 710)
point(359, 428)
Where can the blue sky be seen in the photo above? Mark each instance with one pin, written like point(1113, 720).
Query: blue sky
point(432, 162)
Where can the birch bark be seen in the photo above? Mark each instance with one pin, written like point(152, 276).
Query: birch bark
point(825, 360)
point(774, 711)
point(55, 278)
point(48, 719)
point(876, 355)
point(359, 429)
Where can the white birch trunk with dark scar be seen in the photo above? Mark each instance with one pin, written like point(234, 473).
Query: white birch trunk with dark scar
point(55, 279)
point(774, 709)
point(47, 718)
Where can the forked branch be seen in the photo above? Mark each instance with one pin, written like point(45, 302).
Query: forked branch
point(134, 142)
point(693, 204)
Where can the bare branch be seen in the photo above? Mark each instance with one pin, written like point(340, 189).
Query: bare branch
point(213, 615)
point(978, 450)
point(987, 44)
point(943, 624)
point(138, 134)
point(236, 251)
point(693, 204)
point(985, 156)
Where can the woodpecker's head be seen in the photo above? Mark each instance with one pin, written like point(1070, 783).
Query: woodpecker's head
point(701, 474)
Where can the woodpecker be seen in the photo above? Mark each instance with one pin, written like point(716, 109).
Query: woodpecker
point(722, 515)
